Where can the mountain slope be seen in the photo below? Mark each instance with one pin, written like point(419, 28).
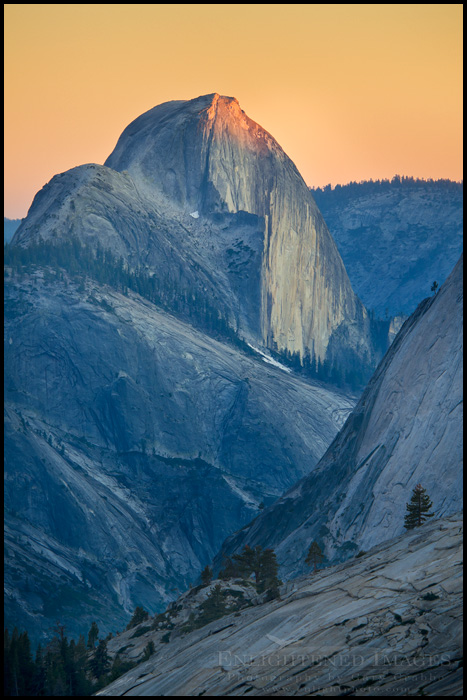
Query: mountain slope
point(103, 208)
point(134, 445)
point(207, 156)
point(396, 238)
point(206, 195)
point(387, 624)
point(406, 429)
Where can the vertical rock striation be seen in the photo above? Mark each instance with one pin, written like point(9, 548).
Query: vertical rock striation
point(207, 156)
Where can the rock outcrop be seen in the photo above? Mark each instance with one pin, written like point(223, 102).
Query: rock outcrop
point(197, 189)
point(405, 429)
point(388, 623)
point(134, 445)
point(208, 156)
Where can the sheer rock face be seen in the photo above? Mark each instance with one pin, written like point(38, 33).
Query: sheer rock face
point(406, 429)
point(198, 189)
point(206, 156)
point(386, 624)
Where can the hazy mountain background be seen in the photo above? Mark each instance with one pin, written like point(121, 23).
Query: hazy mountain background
point(9, 228)
point(396, 238)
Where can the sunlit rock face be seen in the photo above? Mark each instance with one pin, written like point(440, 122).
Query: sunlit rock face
point(199, 193)
point(406, 429)
point(207, 156)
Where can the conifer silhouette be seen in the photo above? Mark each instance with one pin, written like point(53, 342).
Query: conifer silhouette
point(417, 509)
point(314, 555)
point(206, 575)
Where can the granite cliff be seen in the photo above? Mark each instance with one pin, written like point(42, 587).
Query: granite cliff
point(405, 429)
point(197, 191)
point(208, 156)
point(142, 441)
point(135, 442)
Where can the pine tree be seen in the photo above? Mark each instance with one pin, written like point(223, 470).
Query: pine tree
point(214, 605)
point(268, 579)
point(93, 635)
point(8, 669)
point(230, 569)
point(19, 667)
point(39, 673)
point(314, 556)
point(99, 664)
point(417, 509)
point(249, 562)
point(149, 650)
point(261, 563)
point(83, 684)
point(139, 615)
point(206, 575)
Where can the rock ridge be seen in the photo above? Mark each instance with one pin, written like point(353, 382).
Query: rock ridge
point(389, 623)
point(143, 443)
point(405, 429)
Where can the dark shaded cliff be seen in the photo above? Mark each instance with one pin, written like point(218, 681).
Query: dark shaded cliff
point(134, 445)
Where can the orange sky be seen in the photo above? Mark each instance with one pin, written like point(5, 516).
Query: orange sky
point(350, 92)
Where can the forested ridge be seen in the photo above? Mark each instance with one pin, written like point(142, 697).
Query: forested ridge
point(364, 187)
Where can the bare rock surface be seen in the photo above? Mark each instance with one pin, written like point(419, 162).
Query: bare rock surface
point(387, 624)
point(208, 156)
point(198, 190)
point(142, 442)
point(406, 429)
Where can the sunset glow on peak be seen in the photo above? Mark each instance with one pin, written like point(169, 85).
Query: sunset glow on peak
point(350, 92)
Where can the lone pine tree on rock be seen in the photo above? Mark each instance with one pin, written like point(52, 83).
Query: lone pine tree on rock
point(417, 509)
point(314, 556)
point(249, 562)
point(258, 562)
point(206, 575)
point(268, 578)
point(230, 569)
point(214, 606)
